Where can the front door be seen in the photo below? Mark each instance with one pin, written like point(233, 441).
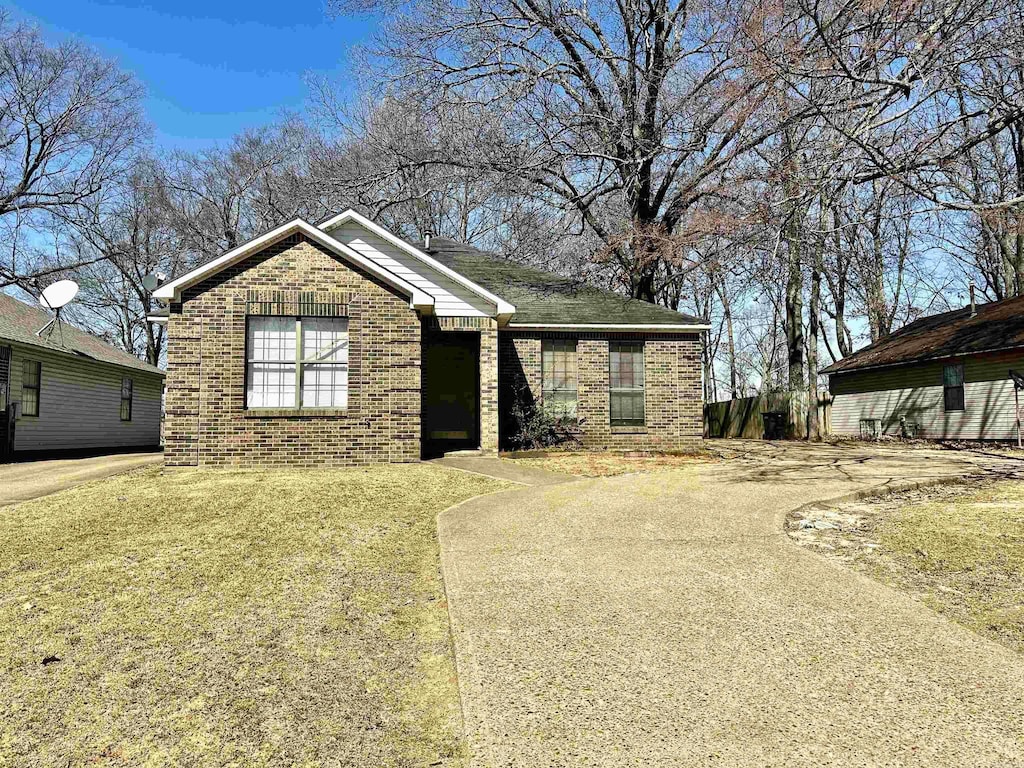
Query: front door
point(451, 392)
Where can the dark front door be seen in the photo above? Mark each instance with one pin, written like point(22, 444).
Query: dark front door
point(451, 405)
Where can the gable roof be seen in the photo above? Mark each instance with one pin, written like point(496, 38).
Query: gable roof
point(19, 322)
point(996, 325)
point(172, 290)
point(504, 308)
point(544, 299)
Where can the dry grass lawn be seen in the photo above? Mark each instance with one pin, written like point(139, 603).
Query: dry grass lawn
point(607, 463)
point(230, 618)
point(959, 548)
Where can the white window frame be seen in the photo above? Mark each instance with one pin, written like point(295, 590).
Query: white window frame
point(301, 365)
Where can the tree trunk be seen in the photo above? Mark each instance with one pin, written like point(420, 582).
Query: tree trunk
point(795, 306)
point(723, 296)
point(814, 324)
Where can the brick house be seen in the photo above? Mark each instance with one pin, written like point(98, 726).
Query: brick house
point(342, 344)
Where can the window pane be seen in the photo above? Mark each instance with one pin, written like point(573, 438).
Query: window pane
point(271, 339)
point(626, 382)
point(31, 377)
point(271, 385)
point(953, 375)
point(558, 375)
point(324, 385)
point(325, 339)
point(30, 402)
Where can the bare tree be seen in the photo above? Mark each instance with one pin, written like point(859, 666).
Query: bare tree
point(626, 114)
point(218, 198)
point(69, 127)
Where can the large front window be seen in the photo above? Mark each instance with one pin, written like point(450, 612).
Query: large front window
point(297, 362)
point(626, 383)
point(558, 371)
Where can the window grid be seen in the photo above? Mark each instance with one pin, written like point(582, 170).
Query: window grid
point(31, 381)
point(953, 387)
point(559, 376)
point(297, 362)
point(626, 383)
point(127, 387)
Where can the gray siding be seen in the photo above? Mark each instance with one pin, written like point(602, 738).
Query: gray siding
point(80, 404)
point(915, 391)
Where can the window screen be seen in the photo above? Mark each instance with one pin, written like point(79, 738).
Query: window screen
point(297, 362)
point(626, 383)
point(953, 386)
point(558, 371)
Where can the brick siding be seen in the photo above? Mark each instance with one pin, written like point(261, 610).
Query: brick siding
point(207, 422)
point(672, 391)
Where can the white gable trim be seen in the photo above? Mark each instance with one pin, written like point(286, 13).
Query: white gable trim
point(665, 327)
point(504, 309)
point(172, 290)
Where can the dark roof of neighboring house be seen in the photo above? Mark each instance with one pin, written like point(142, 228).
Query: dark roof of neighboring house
point(996, 325)
point(544, 297)
point(20, 321)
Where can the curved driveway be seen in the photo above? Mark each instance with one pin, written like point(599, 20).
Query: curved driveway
point(666, 620)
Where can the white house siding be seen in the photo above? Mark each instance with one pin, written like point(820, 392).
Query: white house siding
point(80, 404)
point(915, 392)
point(450, 298)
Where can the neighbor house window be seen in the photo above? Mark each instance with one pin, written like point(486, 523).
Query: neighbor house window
point(297, 362)
point(558, 373)
point(953, 386)
point(127, 385)
point(31, 377)
point(626, 383)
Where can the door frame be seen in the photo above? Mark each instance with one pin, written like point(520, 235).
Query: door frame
point(434, 447)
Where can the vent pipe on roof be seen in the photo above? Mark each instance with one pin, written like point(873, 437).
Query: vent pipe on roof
point(426, 240)
point(974, 309)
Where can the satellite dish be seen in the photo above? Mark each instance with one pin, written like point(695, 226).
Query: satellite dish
point(54, 297)
point(60, 293)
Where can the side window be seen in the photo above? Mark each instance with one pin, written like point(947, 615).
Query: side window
point(127, 386)
point(31, 381)
point(558, 373)
point(953, 387)
point(626, 383)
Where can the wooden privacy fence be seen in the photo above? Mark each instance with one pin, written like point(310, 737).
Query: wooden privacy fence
point(760, 416)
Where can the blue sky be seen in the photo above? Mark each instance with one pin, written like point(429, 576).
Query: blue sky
point(213, 68)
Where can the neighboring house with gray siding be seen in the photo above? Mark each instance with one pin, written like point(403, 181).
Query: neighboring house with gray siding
point(940, 377)
point(70, 391)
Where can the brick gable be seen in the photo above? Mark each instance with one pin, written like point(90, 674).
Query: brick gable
point(207, 422)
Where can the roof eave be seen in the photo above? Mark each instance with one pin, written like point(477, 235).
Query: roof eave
point(932, 358)
point(661, 327)
point(171, 291)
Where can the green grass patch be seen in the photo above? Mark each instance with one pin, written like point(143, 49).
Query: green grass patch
point(965, 553)
point(231, 618)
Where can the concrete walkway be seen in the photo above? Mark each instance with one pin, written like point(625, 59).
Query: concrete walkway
point(26, 480)
point(666, 620)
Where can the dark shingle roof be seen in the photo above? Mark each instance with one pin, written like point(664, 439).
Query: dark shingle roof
point(544, 297)
point(20, 321)
point(997, 325)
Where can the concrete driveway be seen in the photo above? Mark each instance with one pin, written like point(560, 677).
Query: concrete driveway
point(666, 620)
point(26, 480)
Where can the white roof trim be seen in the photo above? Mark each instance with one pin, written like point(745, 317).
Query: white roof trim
point(667, 327)
point(172, 289)
point(504, 309)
